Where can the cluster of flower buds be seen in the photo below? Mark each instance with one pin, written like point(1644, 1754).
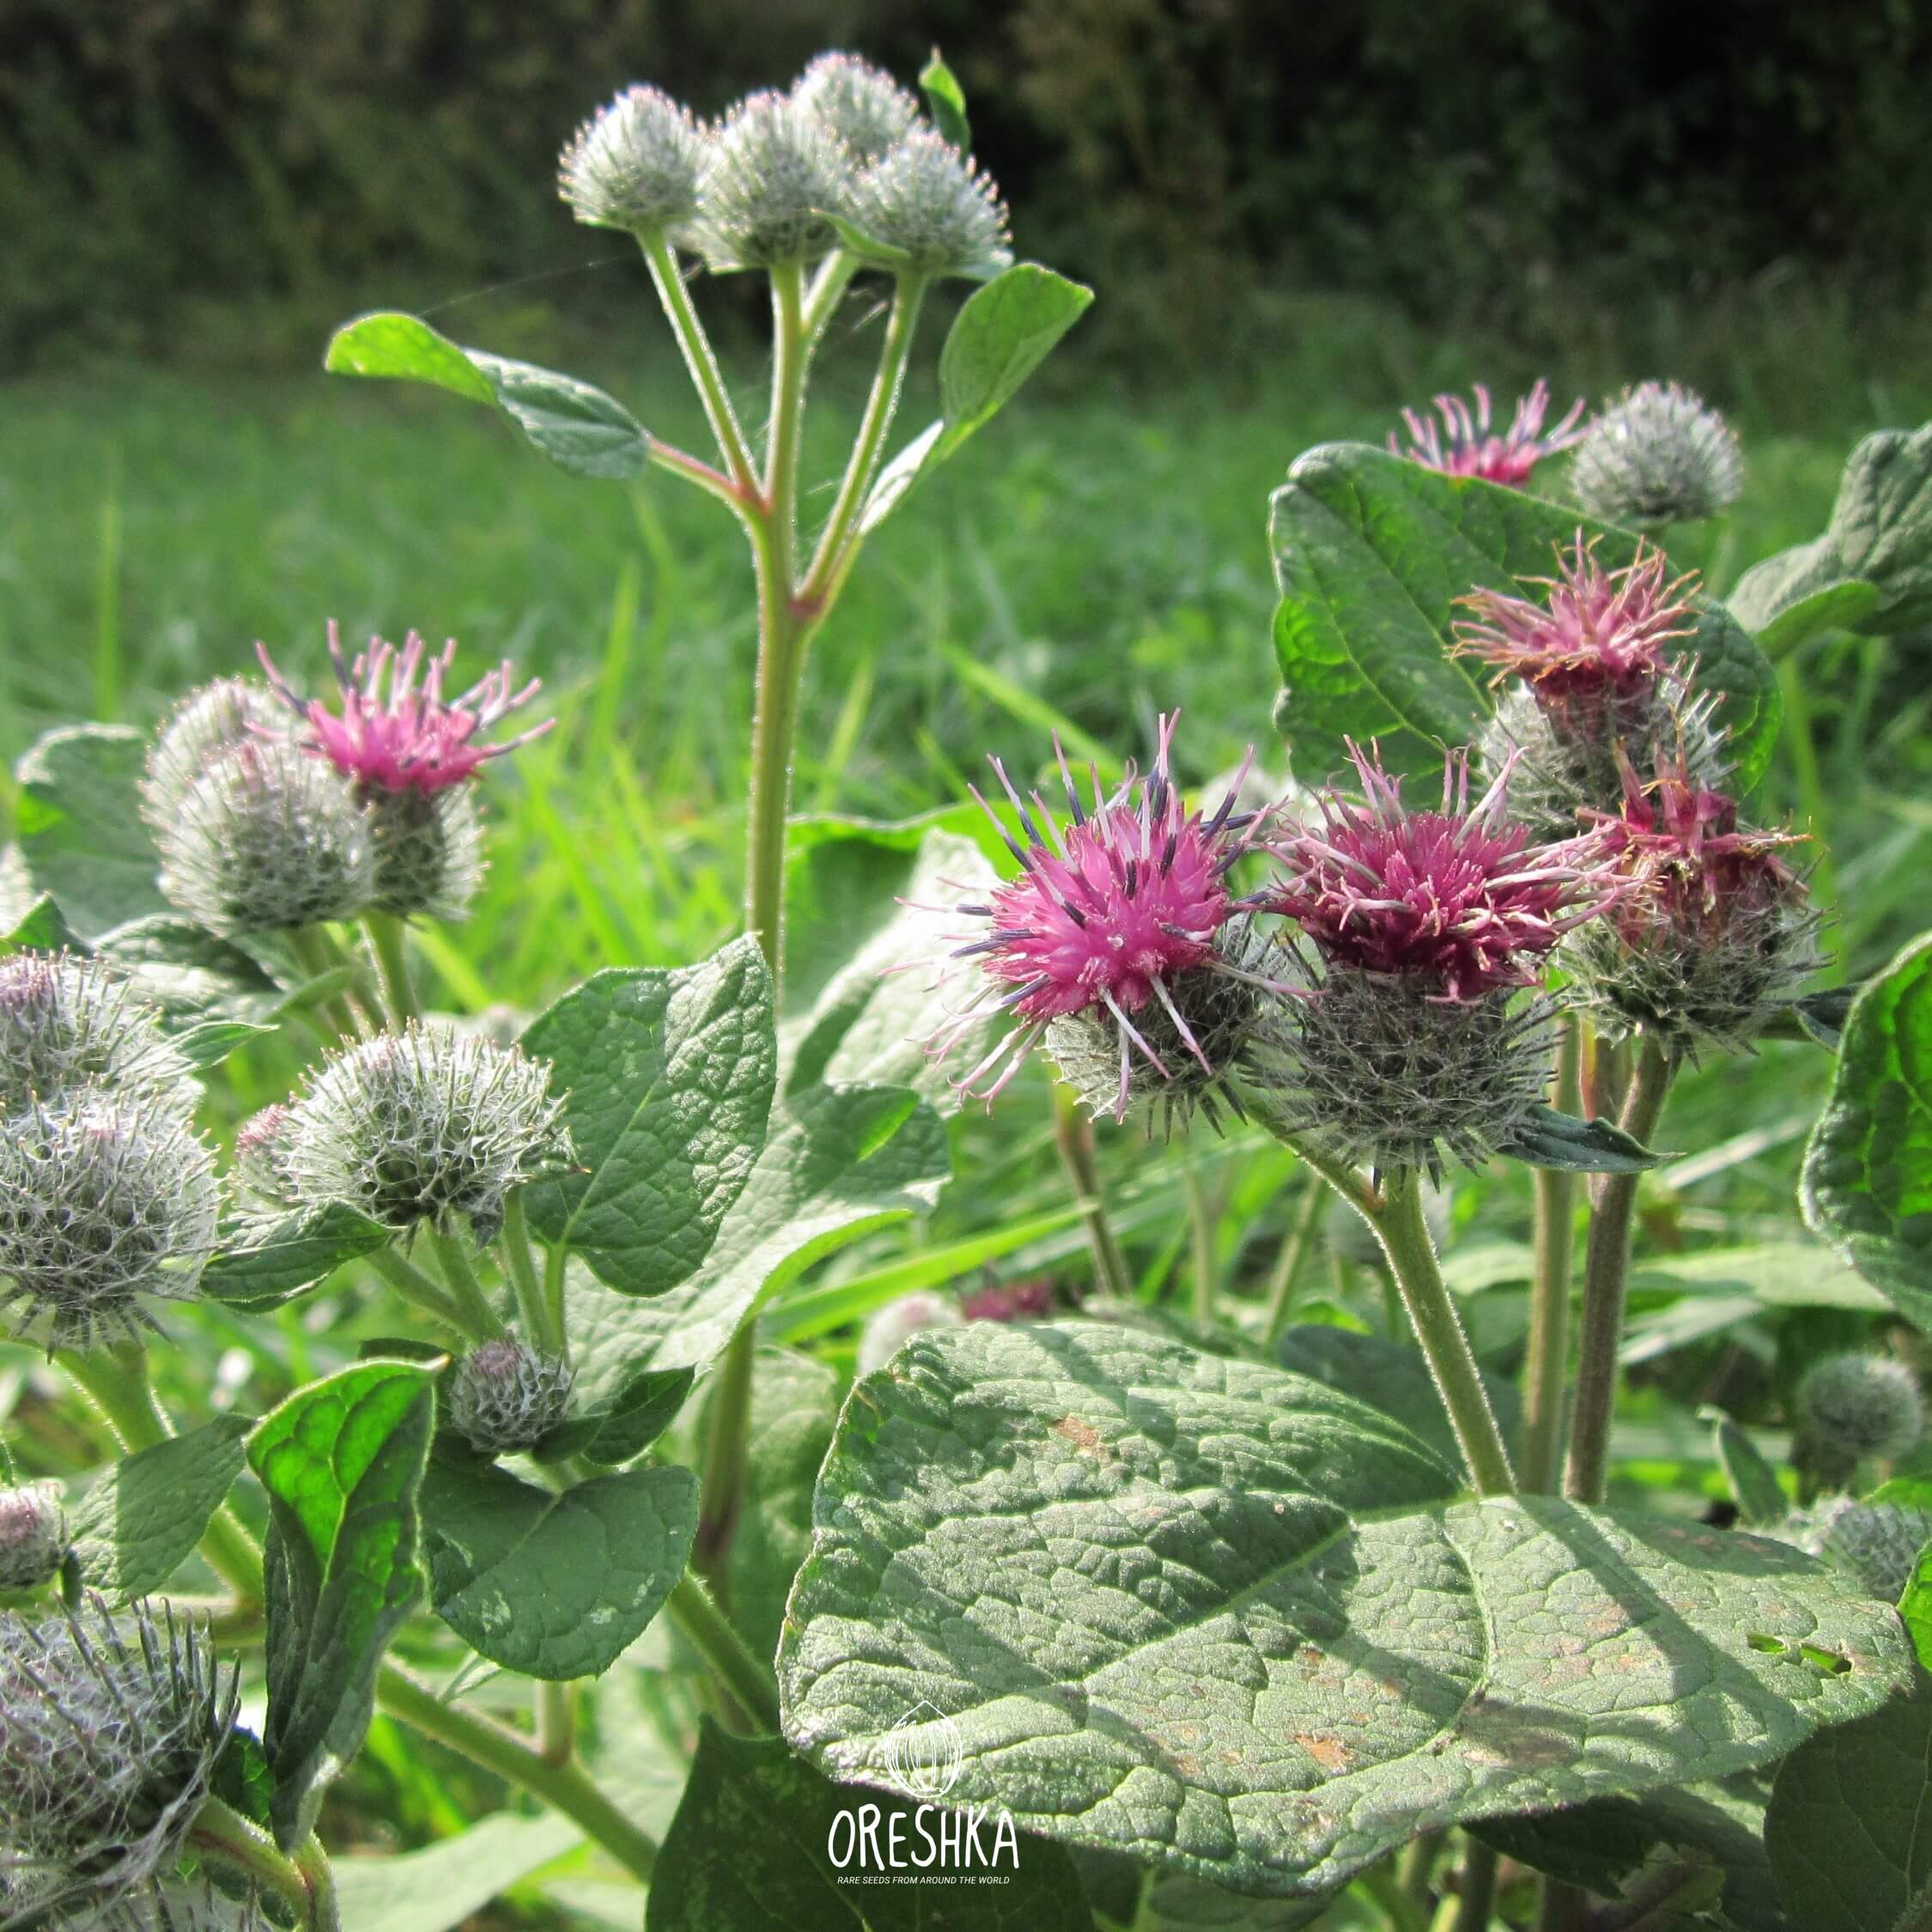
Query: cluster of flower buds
point(106, 1193)
point(1588, 674)
point(110, 1729)
point(421, 1126)
point(264, 826)
point(1466, 442)
point(1657, 455)
point(844, 159)
point(504, 1397)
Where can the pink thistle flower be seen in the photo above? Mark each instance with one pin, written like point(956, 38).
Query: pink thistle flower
point(1103, 918)
point(1458, 896)
point(396, 735)
point(1597, 633)
point(1466, 445)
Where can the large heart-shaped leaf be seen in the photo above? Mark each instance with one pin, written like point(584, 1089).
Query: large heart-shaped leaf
point(1871, 571)
point(667, 1079)
point(1003, 332)
point(752, 1847)
point(1866, 1183)
point(1370, 552)
point(79, 829)
point(841, 1162)
point(573, 425)
point(1230, 1619)
point(553, 1584)
point(142, 1520)
point(342, 1461)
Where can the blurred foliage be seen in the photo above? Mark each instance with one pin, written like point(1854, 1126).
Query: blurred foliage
point(164, 163)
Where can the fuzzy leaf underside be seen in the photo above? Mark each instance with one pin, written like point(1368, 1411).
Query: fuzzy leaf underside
point(577, 427)
point(1871, 570)
point(1226, 1619)
point(554, 1585)
point(841, 1162)
point(1370, 552)
point(747, 1852)
point(141, 1522)
point(343, 1461)
point(1867, 1181)
point(668, 1079)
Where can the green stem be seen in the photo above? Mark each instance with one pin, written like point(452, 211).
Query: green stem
point(557, 1723)
point(830, 560)
point(829, 284)
point(699, 359)
point(726, 1448)
point(733, 1661)
point(414, 1286)
point(387, 942)
point(1475, 1887)
point(1294, 1252)
point(1073, 1135)
point(566, 1788)
point(1559, 1907)
point(1399, 1910)
point(304, 1882)
point(1404, 1235)
point(1201, 1236)
point(318, 960)
point(540, 1328)
point(1606, 1281)
point(1796, 733)
point(1547, 1363)
point(556, 1262)
point(479, 1319)
point(115, 1380)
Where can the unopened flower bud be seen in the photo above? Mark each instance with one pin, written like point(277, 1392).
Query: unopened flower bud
point(424, 1126)
point(268, 838)
point(428, 851)
point(504, 1396)
point(231, 711)
point(773, 175)
point(1878, 1544)
point(68, 1023)
point(634, 165)
point(257, 1159)
point(33, 1536)
point(1658, 455)
point(110, 1728)
point(929, 205)
point(103, 1200)
point(887, 1328)
point(1857, 1406)
point(860, 105)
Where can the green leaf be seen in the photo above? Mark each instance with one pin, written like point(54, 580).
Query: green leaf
point(141, 1522)
point(264, 1265)
point(41, 929)
point(77, 821)
point(945, 102)
point(1867, 1181)
point(841, 1162)
point(446, 1884)
point(1846, 1825)
point(1545, 1138)
point(866, 1025)
point(573, 425)
point(1238, 1623)
point(1760, 1497)
point(1871, 571)
point(1003, 332)
point(1371, 551)
point(242, 1779)
point(640, 1411)
point(668, 1080)
point(554, 1585)
point(1915, 1607)
point(1777, 1273)
point(750, 1848)
point(194, 978)
point(211, 1042)
point(794, 1404)
point(1394, 1377)
point(342, 1461)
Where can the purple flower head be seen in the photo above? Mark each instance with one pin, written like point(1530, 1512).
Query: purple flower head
point(1031, 1300)
point(1457, 897)
point(1104, 917)
point(1465, 445)
point(1594, 634)
point(397, 735)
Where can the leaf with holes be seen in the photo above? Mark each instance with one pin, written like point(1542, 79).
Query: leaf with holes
point(1371, 553)
point(667, 1079)
point(1228, 1619)
point(576, 426)
point(141, 1522)
point(1866, 1183)
point(342, 1461)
